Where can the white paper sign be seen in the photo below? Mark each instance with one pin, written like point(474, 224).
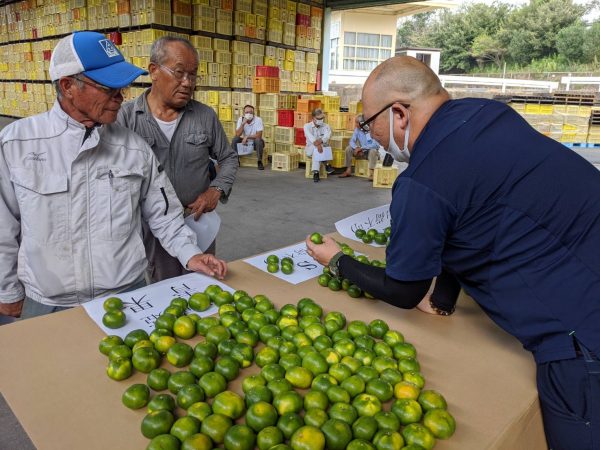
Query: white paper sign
point(325, 156)
point(305, 267)
point(144, 305)
point(378, 218)
point(245, 149)
point(206, 228)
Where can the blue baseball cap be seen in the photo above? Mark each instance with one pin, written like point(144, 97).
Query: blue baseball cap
point(95, 56)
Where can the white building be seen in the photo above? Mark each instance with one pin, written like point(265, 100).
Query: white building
point(429, 56)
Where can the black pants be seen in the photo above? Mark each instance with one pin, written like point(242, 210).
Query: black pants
point(569, 393)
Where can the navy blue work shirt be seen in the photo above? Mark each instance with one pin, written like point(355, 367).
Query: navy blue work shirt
point(513, 214)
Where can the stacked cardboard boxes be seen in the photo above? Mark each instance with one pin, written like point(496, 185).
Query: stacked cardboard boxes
point(265, 35)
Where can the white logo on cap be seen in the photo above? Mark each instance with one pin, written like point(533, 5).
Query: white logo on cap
point(109, 48)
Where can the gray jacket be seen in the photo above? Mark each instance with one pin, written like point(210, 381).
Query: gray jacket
point(198, 136)
point(71, 213)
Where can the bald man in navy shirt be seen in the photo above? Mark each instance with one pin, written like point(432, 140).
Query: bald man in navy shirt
point(490, 205)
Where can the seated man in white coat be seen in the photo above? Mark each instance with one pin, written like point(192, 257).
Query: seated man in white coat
point(317, 134)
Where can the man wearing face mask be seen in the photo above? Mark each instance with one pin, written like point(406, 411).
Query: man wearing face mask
point(184, 135)
point(317, 134)
point(361, 146)
point(490, 205)
point(250, 128)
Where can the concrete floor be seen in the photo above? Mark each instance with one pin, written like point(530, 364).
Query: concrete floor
point(269, 209)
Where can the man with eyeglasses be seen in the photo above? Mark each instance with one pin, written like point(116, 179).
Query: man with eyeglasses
point(317, 134)
point(74, 187)
point(361, 146)
point(184, 135)
point(489, 204)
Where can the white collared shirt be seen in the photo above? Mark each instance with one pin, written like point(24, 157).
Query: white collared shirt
point(250, 129)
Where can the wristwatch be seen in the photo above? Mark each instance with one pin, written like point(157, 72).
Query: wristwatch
point(333, 265)
point(219, 189)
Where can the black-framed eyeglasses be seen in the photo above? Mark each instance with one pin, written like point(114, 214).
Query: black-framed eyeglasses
point(107, 90)
point(364, 124)
point(180, 75)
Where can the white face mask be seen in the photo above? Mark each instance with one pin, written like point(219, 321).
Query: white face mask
point(319, 122)
point(248, 116)
point(393, 149)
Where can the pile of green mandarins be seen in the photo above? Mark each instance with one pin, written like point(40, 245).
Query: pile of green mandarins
point(322, 382)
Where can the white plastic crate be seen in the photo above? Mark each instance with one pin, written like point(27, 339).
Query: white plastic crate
point(284, 135)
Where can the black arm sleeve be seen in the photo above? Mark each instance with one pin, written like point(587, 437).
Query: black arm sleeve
point(403, 294)
point(446, 292)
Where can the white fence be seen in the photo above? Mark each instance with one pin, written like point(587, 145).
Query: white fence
point(502, 82)
point(569, 80)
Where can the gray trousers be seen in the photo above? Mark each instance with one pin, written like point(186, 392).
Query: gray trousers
point(161, 265)
point(372, 155)
point(31, 308)
point(259, 146)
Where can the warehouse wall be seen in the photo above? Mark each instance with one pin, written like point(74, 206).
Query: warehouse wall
point(233, 37)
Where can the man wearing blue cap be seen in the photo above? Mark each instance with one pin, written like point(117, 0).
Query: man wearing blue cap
point(74, 188)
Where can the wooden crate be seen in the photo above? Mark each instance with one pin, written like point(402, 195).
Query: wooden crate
point(361, 168)
point(308, 169)
point(384, 177)
point(284, 162)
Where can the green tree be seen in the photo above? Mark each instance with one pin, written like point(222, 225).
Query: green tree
point(531, 30)
point(480, 33)
point(591, 44)
point(414, 31)
point(487, 48)
point(455, 32)
point(569, 42)
point(519, 44)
